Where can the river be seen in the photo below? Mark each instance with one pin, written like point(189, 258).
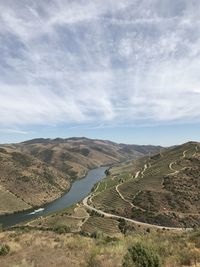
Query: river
point(79, 189)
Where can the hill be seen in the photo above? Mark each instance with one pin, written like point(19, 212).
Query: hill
point(160, 190)
point(26, 181)
point(75, 156)
point(38, 171)
point(154, 193)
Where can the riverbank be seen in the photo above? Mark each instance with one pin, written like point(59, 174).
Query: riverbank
point(44, 203)
point(78, 190)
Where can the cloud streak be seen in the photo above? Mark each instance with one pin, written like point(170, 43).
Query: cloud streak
point(125, 62)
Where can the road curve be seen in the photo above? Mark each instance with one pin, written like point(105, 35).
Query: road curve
point(109, 215)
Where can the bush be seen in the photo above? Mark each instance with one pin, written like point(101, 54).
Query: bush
point(122, 226)
point(96, 235)
point(140, 256)
point(92, 260)
point(61, 229)
point(4, 249)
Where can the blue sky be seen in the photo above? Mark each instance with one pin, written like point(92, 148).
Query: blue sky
point(126, 70)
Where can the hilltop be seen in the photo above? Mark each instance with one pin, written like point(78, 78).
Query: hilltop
point(37, 171)
point(75, 156)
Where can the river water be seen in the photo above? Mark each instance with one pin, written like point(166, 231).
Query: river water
point(79, 189)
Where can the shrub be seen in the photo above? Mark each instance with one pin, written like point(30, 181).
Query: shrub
point(92, 261)
point(61, 229)
point(4, 249)
point(96, 235)
point(107, 172)
point(21, 159)
point(140, 256)
point(122, 226)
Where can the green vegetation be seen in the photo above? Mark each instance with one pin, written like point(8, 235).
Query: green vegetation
point(4, 249)
point(62, 229)
point(139, 255)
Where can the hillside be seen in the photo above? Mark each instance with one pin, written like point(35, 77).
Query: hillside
point(160, 190)
point(49, 248)
point(38, 171)
point(75, 156)
point(154, 193)
point(26, 181)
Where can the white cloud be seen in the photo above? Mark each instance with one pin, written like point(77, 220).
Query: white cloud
point(101, 61)
point(12, 131)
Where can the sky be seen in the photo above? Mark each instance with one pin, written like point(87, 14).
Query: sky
point(123, 70)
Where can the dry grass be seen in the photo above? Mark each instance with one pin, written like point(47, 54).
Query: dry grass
point(37, 248)
point(10, 203)
point(28, 180)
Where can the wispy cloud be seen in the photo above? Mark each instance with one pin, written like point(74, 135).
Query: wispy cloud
point(13, 131)
point(101, 62)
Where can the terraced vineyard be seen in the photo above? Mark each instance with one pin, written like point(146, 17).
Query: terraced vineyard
point(70, 219)
point(165, 191)
point(120, 173)
point(98, 224)
point(110, 201)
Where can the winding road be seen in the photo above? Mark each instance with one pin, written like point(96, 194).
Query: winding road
point(109, 215)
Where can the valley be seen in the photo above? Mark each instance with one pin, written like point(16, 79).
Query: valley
point(38, 171)
point(158, 192)
point(152, 199)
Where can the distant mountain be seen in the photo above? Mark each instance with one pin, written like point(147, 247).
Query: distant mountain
point(39, 170)
point(75, 156)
